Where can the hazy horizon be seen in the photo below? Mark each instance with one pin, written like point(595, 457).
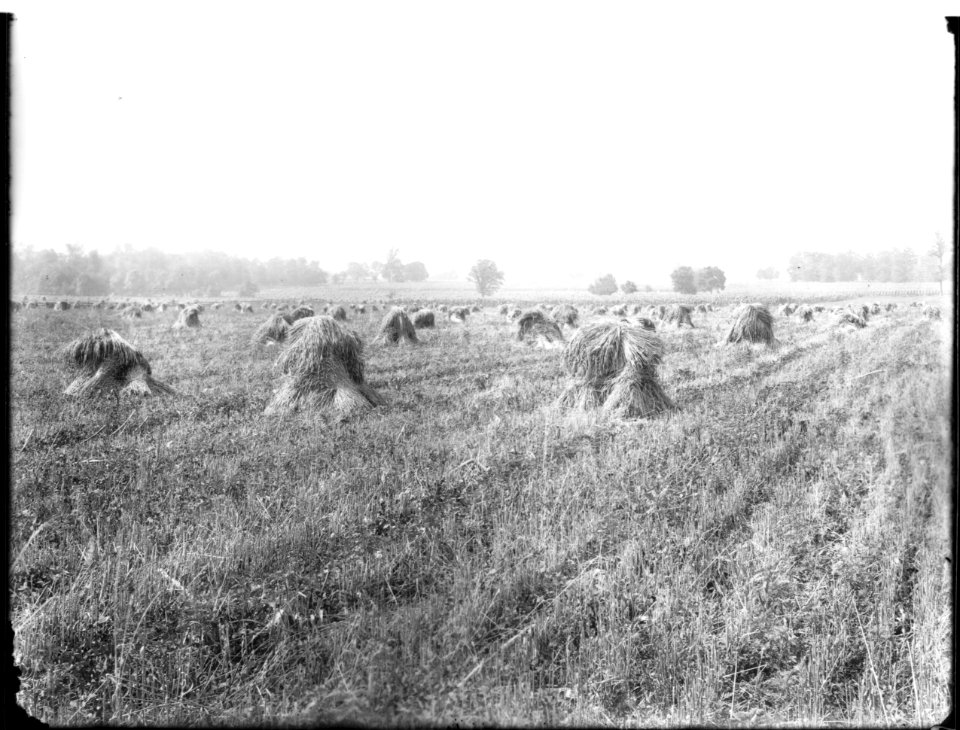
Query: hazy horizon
point(563, 141)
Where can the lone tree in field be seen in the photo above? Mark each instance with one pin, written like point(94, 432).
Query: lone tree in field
point(109, 363)
point(603, 286)
point(322, 367)
point(628, 287)
point(614, 367)
point(486, 277)
point(684, 280)
point(939, 252)
point(710, 278)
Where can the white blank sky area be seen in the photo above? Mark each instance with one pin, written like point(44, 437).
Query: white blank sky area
point(562, 140)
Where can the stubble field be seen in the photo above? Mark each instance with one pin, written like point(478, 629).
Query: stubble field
point(773, 551)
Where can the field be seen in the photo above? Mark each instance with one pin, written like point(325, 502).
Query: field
point(774, 551)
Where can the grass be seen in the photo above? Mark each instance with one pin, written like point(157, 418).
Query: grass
point(772, 552)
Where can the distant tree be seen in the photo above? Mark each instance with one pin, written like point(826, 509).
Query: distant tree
point(684, 280)
point(768, 274)
point(628, 287)
point(486, 277)
point(356, 271)
point(603, 286)
point(393, 268)
point(709, 278)
point(415, 271)
point(939, 252)
point(247, 289)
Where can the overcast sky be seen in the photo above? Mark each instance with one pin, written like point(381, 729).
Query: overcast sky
point(569, 139)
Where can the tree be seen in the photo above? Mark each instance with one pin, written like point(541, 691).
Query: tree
point(393, 268)
point(415, 271)
point(486, 276)
point(938, 252)
point(628, 287)
point(709, 278)
point(247, 289)
point(684, 280)
point(356, 271)
point(603, 286)
point(768, 274)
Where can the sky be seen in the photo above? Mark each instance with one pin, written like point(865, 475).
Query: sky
point(563, 140)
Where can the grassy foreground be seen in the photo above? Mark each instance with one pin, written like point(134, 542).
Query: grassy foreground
point(772, 552)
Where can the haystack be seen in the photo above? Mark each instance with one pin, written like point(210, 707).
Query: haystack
point(459, 314)
point(423, 319)
point(535, 327)
point(476, 308)
point(701, 308)
point(14, 306)
point(443, 308)
point(647, 324)
point(849, 316)
point(818, 308)
point(614, 367)
point(515, 313)
point(274, 330)
point(875, 308)
point(301, 312)
point(132, 312)
point(504, 309)
point(566, 314)
point(148, 307)
point(362, 309)
point(61, 306)
point(752, 323)
point(339, 314)
point(890, 306)
point(108, 362)
point(805, 313)
point(396, 328)
point(864, 311)
point(620, 311)
point(600, 310)
point(247, 309)
point(322, 366)
point(931, 312)
point(189, 317)
point(679, 314)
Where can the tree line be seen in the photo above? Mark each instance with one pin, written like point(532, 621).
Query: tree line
point(154, 272)
point(897, 265)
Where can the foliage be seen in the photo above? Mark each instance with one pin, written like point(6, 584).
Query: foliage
point(603, 286)
point(247, 289)
point(486, 277)
point(684, 280)
point(150, 272)
point(768, 274)
point(709, 278)
point(628, 287)
point(899, 265)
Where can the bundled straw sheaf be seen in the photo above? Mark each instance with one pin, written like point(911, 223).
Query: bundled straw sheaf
point(339, 314)
point(301, 312)
point(188, 317)
point(752, 323)
point(322, 367)
point(805, 313)
point(424, 319)
point(274, 330)
point(108, 362)
point(678, 314)
point(566, 314)
point(536, 327)
point(614, 367)
point(459, 314)
point(647, 324)
point(396, 328)
point(848, 316)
